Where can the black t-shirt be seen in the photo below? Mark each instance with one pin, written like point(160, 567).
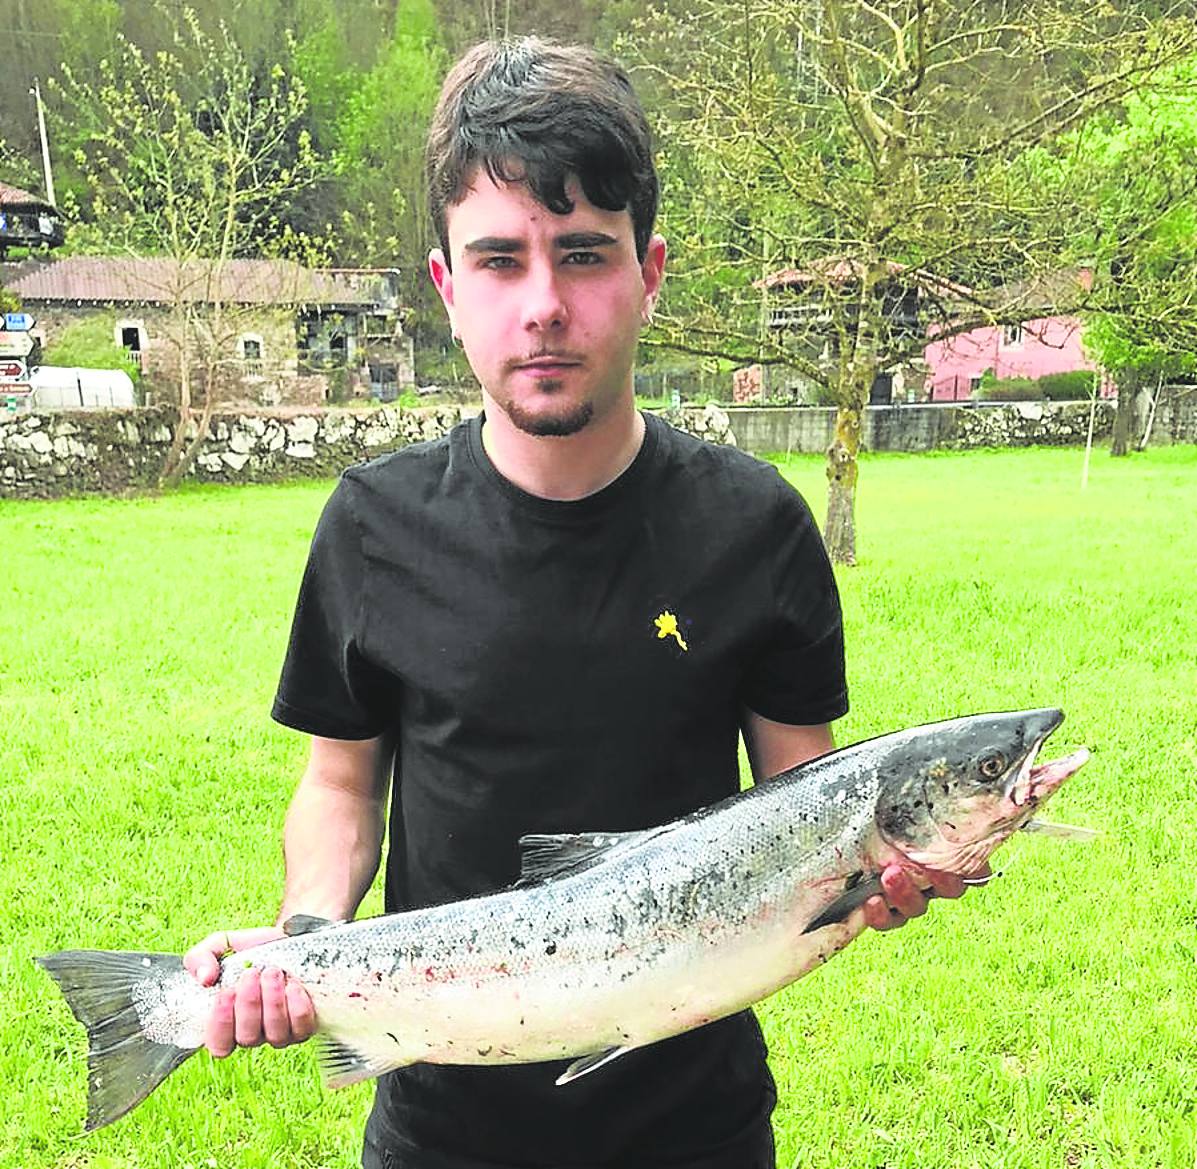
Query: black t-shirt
point(553, 666)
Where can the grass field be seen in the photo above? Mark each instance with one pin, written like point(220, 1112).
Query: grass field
point(1046, 1022)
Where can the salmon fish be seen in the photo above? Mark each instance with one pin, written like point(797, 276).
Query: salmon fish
point(610, 940)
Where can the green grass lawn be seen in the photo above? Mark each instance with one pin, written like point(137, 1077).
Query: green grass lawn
point(1045, 1022)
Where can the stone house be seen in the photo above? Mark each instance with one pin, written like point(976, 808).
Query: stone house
point(267, 332)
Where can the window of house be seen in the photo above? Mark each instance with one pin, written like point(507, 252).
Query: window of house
point(130, 336)
point(1011, 335)
point(251, 352)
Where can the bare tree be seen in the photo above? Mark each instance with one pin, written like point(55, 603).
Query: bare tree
point(194, 154)
point(889, 154)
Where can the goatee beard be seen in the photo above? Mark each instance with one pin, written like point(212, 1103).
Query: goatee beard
point(550, 425)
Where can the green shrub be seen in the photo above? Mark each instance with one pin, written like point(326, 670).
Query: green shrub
point(1011, 389)
point(1068, 386)
point(89, 344)
point(1054, 387)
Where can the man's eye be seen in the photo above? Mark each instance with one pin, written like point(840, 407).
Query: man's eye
point(496, 262)
point(583, 258)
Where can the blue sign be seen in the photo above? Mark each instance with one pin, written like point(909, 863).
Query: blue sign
point(17, 322)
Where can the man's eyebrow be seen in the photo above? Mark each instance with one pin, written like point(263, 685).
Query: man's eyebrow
point(508, 245)
point(494, 243)
point(585, 239)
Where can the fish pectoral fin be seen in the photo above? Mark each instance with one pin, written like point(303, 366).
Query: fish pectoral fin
point(342, 1065)
point(305, 923)
point(1062, 831)
point(545, 855)
point(589, 1063)
point(857, 893)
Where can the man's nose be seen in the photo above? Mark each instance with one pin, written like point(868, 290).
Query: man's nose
point(545, 306)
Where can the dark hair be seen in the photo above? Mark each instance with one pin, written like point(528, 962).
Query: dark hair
point(536, 112)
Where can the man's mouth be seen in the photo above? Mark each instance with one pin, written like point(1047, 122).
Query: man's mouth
point(548, 364)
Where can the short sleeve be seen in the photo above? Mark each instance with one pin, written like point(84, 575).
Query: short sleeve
point(328, 687)
point(799, 677)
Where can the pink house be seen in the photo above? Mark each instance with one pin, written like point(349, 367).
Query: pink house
point(1031, 350)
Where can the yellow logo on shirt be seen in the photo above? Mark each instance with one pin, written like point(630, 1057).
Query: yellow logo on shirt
point(667, 627)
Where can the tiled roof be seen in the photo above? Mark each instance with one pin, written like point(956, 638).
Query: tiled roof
point(119, 279)
point(833, 270)
point(15, 197)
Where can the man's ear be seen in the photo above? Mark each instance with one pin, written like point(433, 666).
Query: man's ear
point(652, 271)
point(442, 277)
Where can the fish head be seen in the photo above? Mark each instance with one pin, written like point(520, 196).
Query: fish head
point(952, 792)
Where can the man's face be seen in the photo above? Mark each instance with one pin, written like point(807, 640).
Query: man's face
point(548, 307)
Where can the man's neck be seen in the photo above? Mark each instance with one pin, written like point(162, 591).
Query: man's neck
point(569, 467)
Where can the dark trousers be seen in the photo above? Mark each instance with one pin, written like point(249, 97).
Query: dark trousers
point(377, 1154)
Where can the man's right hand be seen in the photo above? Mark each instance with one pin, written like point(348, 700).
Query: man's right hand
point(265, 1006)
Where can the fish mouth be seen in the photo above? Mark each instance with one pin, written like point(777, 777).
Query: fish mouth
point(1036, 781)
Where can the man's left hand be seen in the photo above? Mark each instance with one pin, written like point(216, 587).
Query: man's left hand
point(902, 898)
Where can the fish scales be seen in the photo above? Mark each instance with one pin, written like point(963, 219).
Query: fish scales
point(590, 956)
point(612, 941)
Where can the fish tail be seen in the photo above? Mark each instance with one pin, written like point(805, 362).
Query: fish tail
point(124, 1065)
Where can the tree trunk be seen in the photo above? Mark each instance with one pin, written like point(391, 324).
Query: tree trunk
point(1124, 420)
point(839, 533)
point(183, 464)
point(169, 475)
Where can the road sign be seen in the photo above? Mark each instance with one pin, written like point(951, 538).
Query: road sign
point(18, 322)
point(15, 398)
point(12, 369)
point(15, 344)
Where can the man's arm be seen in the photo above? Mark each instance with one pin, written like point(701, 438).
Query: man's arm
point(775, 747)
point(332, 843)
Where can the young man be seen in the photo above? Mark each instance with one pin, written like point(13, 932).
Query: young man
point(557, 619)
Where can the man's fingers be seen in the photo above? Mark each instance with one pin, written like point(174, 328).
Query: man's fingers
point(248, 1028)
point(902, 898)
point(946, 884)
point(902, 894)
point(258, 936)
point(203, 959)
point(219, 1037)
point(276, 1022)
point(301, 1010)
point(264, 1007)
point(877, 914)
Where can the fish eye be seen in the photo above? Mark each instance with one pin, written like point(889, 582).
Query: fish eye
point(993, 765)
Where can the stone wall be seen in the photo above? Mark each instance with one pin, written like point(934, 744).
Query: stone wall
point(1176, 416)
point(810, 429)
point(66, 451)
point(62, 452)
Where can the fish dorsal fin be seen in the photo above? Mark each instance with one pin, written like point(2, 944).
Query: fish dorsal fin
point(305, 923)
point(588, 1063)
point(543, 856)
